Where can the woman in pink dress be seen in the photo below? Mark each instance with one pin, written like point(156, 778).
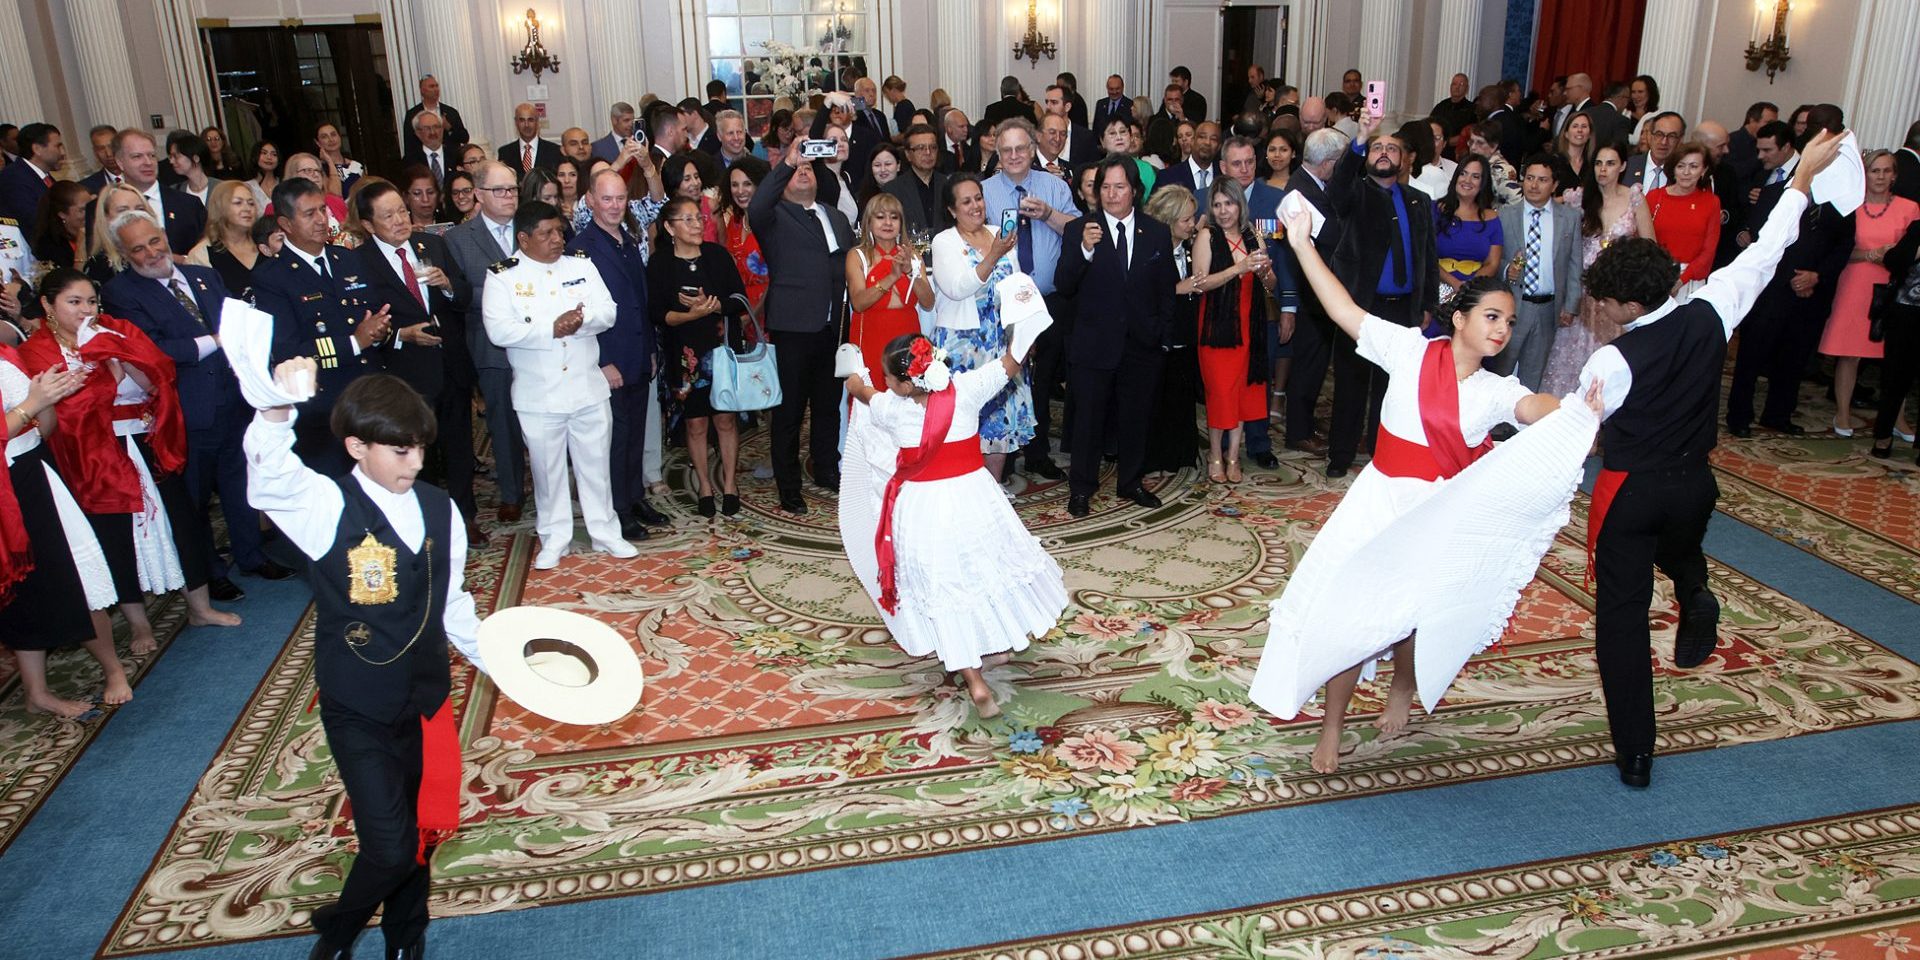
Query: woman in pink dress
point(1882, 219)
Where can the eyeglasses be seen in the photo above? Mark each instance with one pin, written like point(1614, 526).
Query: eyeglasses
point(499, 191)
point(693, 219)
point(463, 191)
point(1657, 135)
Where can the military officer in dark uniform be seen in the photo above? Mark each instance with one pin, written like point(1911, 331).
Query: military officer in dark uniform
point(323, 307)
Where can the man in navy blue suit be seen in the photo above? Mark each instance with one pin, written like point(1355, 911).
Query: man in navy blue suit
point(23, 184)
point(178, 306)
point(1117, 104)
point(101, 138)
point(323, 307)
point(1119, 263)
point(183, 217)
point(626, 350)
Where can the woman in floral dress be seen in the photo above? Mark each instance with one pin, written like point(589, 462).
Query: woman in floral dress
point(1610, 211)
point(968, 259)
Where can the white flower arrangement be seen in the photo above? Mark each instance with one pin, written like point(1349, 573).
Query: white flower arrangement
point(785, 70)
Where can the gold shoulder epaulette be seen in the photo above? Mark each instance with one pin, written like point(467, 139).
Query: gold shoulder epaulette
point(507, 264)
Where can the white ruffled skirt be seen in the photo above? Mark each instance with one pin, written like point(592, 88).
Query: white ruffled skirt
point(1444, 560)
point(154, 552)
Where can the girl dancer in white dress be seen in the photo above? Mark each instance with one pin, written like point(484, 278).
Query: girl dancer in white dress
point(928, 529)
point(1391, 561)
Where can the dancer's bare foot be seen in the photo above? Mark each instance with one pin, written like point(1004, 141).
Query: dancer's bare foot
point(117, 692)
point(143, 642)
point(1399, 705)
point(996, 659)
point(58, 706)
point(981, 693)
point(211, 617)
point(1326, 755)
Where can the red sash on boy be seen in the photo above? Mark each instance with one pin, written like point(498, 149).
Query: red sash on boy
point(16, 551)
point(934, 459)
point(438, 809)
point(1446, 452)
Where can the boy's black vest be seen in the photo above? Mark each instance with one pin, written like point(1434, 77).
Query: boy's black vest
point(385, 659)
point(1670, 417)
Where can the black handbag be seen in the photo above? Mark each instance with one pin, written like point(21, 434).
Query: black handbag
point(1878, 306)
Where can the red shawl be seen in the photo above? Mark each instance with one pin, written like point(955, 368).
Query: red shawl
point(85, 448)
point(16, 552)
point(909, 465)
point(1440, 411)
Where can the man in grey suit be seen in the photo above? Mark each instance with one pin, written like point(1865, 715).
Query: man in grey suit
point(805, 244)
point(620, 118)
point(475, 246)
point(1544, 271)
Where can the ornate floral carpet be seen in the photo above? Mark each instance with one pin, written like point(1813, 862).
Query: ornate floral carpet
point(37, 751)
point(782, 731)
point(1844, 888)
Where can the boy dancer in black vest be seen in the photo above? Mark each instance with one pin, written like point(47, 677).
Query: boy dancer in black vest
point(386, 558)
point(1661, 381)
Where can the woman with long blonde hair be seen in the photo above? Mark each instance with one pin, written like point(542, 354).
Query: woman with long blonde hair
point(885, 282)
point(102, 260)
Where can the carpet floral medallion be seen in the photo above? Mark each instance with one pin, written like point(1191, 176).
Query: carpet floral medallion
point(1846, 888)
point(36, 751)
point(782, 731)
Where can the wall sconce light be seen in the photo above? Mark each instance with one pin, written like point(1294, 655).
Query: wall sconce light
point(533, 56)
point(1035, 44)
point(1770, 52)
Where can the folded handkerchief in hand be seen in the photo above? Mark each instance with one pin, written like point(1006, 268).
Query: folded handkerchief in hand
point(246, 334)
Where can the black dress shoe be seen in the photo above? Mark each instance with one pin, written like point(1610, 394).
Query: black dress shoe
point(1142, 497)
point(1699, 630)
point(830, 483)
point(1743, 432)
point(268, 570)
point(417, 950)
point(793, 504)
point(509, 513)
point(476, 537)
point(1637, 770)
point(1335, 473)
point(1266, 461)
point(324, 951)
point(648, 515)
point(1046, 469)
point(1078, 506)
point(1789, 428)
point(729, 504)
point(632, 529)
point(224, 590)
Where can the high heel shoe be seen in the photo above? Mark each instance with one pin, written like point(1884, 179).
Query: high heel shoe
point(1215, 471)
point(706, 507)
point(729, 504)
point(1882, 451)
point(1905, 437)
point(1233, 471)
point(1840, 431)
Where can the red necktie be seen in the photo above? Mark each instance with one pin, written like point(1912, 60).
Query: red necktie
point(526, 158)
point(46, 179)
point(406, 273)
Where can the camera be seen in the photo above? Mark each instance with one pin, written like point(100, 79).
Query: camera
point(819, 149)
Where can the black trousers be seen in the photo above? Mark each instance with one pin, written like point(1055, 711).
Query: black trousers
point(624, 463)
point(1313, 338)
point(1775, 343)
point(216, 464)
point(1658, 518)
point(379, 764)
point(1125, 395)
point(453, 410)
point(806, 384)
point(1898, 370)
point(1359, 386)
point(1046, 368)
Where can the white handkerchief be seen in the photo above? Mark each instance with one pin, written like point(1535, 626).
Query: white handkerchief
point(1027, 331)
point(246, 334)
point(1844, 182)
point(1295, 201)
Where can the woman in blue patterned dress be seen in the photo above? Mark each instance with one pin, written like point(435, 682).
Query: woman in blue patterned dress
point(968, 259)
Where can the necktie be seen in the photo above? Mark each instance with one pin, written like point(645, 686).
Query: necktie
point(1025, 233)
point(320, 263)
point(1779, 174)
point(180, 293)
point(433, 163)
point(1203, 179)
point(407, 274)
point(46, 179)
point(1532, 277)
point(1120, 242)
point(526, 158)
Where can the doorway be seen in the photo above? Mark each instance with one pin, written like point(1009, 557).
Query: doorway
point(1250, 35)
point(280, 83)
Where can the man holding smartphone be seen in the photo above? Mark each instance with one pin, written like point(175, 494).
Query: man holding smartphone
point(1041, 205)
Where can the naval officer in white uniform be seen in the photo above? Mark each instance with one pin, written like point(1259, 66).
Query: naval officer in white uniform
point(546, 310)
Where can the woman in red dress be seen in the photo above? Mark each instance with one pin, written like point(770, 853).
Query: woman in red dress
point(742, 179)
point(1233, 345)
point(123, 442)
point(1686, 217)
point(885, 282)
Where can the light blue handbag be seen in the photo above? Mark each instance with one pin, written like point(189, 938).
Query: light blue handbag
point(745, 380)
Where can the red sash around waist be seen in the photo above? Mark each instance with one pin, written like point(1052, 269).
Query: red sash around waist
point(933, 459)
point(1604, 488)
point(953, 458)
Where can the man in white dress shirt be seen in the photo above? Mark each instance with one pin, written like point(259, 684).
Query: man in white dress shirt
point(547, 311)
point(183, 217)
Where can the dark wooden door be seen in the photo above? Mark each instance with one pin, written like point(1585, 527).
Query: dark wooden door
point(292, 79)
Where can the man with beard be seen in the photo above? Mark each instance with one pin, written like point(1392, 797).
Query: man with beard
point(1386, 261)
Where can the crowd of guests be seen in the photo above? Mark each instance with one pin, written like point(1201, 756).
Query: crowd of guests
point(573, 294)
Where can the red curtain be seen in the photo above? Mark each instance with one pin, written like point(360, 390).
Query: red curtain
point(1596, 37)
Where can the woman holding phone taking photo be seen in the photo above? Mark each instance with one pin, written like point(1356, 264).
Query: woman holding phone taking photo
point(968, 259)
